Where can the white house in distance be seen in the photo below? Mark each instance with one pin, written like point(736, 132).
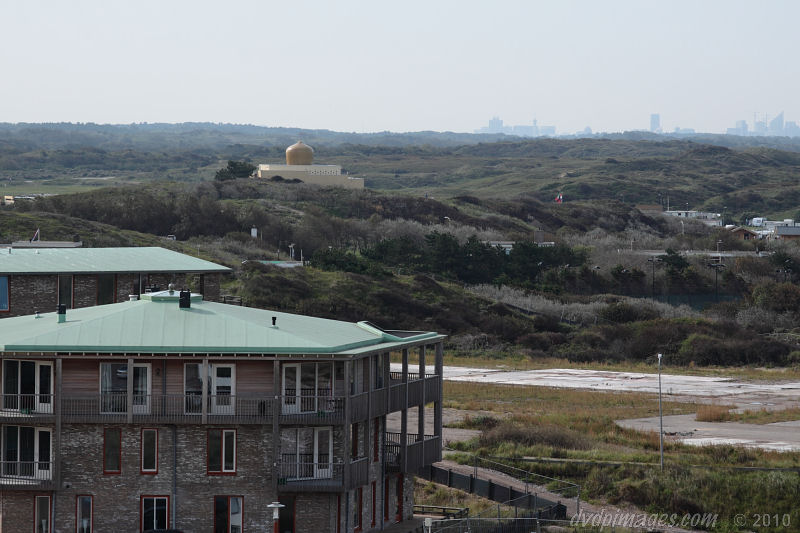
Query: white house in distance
point(300, 165)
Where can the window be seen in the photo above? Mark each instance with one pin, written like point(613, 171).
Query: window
point(83, 514)
point(221, 451)
point(149, 451)
point(357, 508)
point(112, 451)
point(222, 389)
point(26, 452)
point(379, 367)
point(154, 512)
point(114, 387)
point(28, 385)
point(106, 288)
point(41, 514)
point(4, 293)
point(228, 514)
point(65, 290)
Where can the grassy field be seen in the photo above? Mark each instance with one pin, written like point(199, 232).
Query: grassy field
point(724, 413)
point(575, 424)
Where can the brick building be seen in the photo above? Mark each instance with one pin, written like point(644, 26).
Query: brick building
point(39, 279)
point(171, 411)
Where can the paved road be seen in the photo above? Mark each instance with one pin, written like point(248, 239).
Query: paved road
point(780, 436)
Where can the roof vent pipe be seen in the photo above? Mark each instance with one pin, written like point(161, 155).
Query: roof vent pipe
point(185, 300)
point(62, 313)
point(274, 322)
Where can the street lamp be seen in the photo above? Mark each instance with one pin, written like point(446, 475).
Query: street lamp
point(660, 416)
point(276, 514)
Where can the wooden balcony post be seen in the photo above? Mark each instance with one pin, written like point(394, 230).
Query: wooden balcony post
point(421, 411)
point(277, 409)
point(204, 378)
point(348, 455)
point(404, 415)
point(437, 405)
point(56, 403)
point(130, 390)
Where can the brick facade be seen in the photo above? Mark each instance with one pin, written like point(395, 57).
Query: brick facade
point(31, 293)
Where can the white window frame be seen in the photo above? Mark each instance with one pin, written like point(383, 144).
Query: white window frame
point(38, 527)
point(142, 407)
point(146, 527)
point(38, 405)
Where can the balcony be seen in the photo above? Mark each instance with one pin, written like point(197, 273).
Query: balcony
point(418, 390)
point(13, 407)
point(297, 474)
point(312, 409)
point(167, 409)
point(26, 475)
point(417, 452)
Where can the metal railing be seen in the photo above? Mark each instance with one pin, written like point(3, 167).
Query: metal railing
point(175, 408)
point(25, 473)
point(418, 451)
point(294, 475)
point(26, 404)
point(312, 408)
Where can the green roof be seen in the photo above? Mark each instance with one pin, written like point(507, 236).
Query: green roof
point(155, 324)
point(101, 260)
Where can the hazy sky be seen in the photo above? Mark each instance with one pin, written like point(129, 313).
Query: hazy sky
point(407, 65)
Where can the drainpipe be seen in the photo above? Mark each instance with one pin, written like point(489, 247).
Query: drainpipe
point(174, 475)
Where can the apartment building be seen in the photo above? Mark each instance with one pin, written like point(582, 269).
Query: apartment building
point(175, 412)
point(39, 279)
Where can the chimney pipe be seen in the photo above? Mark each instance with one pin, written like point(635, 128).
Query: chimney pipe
point(185, 300)
point(274, 321)
point(62, 313)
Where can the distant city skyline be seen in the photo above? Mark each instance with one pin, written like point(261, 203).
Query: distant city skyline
point(365, 66)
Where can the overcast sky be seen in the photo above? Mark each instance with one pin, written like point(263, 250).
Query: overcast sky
point(411, 65)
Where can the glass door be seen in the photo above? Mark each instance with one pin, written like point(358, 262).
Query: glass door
point(44, 387)
point(42, 440)
point(141, 389)
point(291, 391)
point(323, 453)
point(223, 389)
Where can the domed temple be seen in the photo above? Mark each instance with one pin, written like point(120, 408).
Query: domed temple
point(300, 166)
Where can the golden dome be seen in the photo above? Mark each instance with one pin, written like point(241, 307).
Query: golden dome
point(299, 154)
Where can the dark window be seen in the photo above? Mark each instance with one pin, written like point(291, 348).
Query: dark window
point(3, 293)
point(154, 512)
point(65, 290)
point(221, 451)
point(149, 451)
point(228, 514)
point(112, 451)
point(41, 512)
point(83, 514)
point(106, 289)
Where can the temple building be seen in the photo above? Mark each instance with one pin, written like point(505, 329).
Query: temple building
point(300, 166)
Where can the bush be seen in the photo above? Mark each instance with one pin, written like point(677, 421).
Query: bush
point(549, 435)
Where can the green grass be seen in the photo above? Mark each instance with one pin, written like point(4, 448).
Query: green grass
point(577, 426)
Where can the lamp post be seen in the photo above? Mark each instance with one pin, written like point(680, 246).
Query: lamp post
point(276, 514)
point(660, 417)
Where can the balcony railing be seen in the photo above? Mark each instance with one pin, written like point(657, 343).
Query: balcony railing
point(312, 409)
point(13, 405)
point(300, 475)
point(25, 474)
point(418, 451)
point(172, 409)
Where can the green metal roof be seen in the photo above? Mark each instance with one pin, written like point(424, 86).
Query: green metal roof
point(100, 260)
point(155, 324)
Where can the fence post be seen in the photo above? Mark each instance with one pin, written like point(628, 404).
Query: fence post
point(476, 466)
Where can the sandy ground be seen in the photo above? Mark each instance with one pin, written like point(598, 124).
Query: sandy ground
point(783, 436)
